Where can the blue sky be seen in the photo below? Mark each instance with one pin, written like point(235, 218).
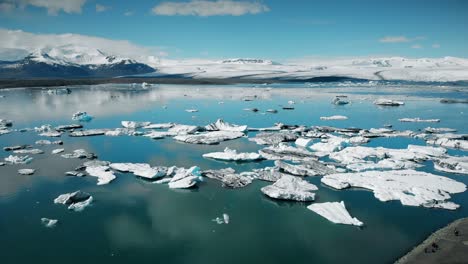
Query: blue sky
point(274, 29)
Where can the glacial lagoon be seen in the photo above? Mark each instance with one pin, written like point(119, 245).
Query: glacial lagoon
point(135, 220)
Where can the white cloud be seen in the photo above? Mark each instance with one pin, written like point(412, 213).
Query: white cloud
point(19, 40)
point(416, 46)
point(101, 8)
point(436, 46)
point(399, 39)
point(53, 6)
point(209, 8)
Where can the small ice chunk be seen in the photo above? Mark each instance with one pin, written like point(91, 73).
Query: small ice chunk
point(191, 110)
point(232, 155)
point(28, 151)
point(335, 117)
point(185, 178)
point(82, 117)
point(18, 159)
point(48, 142)
point(57, 151)
point(79, 154)
point(209, 138)
point(388, 102)
point(88, 132)
point(226, 218)
point(335, 212)
point(76, 201)
point(26, 171)
point(159, 126)
point(49, 222)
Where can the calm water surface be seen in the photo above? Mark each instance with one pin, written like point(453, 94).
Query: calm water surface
point(134, 221)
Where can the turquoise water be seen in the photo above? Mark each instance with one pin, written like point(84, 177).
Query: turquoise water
point(132, 220)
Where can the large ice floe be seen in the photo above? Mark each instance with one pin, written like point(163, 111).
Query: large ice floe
point(452, 164)
point(361, 158)
point(209, 138)
point(143, 170)
point(76, 201)
point(306, 168)
point(183, 129)
point(290, 188)
point(419, 120)
point(232, 155)
point(18, 159)
point(270, 174)
point(273, 138)
point(134, 124)
point(285, 152)
point(335, 212)
point(228, 177)
point(184, 178)
point(333, 143)
point(447, 142)
point(412, 188)
point(103, 173)
point(220, 125)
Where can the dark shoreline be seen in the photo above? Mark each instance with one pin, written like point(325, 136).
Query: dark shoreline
point(447, 245)
point(46, 82)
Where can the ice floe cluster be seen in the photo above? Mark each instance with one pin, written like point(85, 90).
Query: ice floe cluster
point(337, 155)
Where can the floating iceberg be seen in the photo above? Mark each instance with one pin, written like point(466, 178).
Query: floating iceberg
point(273, 138)
point(419, 120)
point(388, 102)
point(159, 126)
point(88, 132)
point(450, 143)
point(437, 130)
point(28, 151)
point(303, 142)
point(339, 101)
point(26, 171)
point(79, 154)
point(48, 142)
point(335, 117)
point(76, 201)
point(209, 138)
point(232, 155)
point(290, 188)
point(412, 188)
point(134, 125)
point(452, 164)
point(220, 125)
point(185, 178)
point(191, 110)
point(159, 134)
point(307, 168)
point(285, 152)
point(68, 127)
point(82, 117)
point(103, 174)
point(18, 159)
point(228, 177)
point(183, 129)
point(143, 170)
point(57, 151)
point(270, 174)
point(49, 222)
point(335, 212)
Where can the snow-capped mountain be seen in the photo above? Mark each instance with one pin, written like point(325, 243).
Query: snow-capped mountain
point(71, 62)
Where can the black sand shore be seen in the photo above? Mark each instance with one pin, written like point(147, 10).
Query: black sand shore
point(47, 82)
point(447, 245)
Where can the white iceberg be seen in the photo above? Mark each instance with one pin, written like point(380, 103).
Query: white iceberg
point(303, 142)
point(452, 164)
point(57, 151)
point(183, 129)
point(232, 155)
point(335, 117)
point(159, 126)
point(88, 132)
point(76, 201)
point(335, 212)
point(412, 188)
point(191, 110)
point(290, 188)
point(26, 171)
point(438, 130)
point(49, 222)
point(159, 134)
point(18, 159)
point(185, 178)
point(134, 125)
point(273, 138)
point(450, 143)
point(143, 170)
point(78, 154)
point(270, 174)
point(43, 142)
point(388, 102)
point(51, 133)
point(419, 120)
point(306, 168)
point(285, 152)
point(103, 174)
point(220, 125)
point(209, 138)
point(82, 116)
point(28, 151)
point(228, 177)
